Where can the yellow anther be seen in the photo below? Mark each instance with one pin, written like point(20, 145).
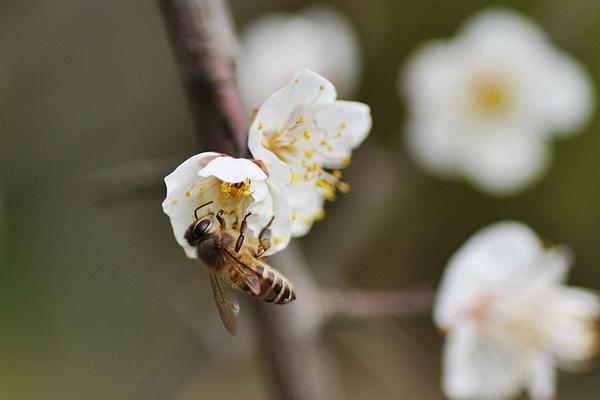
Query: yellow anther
point(246, 193)
point(330, 148)
point(306, 176)
point(300, 120)
point(296, 81)
point(201, 191)
point(188, 194)
point(174, 202)
point(339, 134)
point(337, 174)
point(295, 178)
point(304, 163)
point(346, 161)
point(260, 125)
point(294, 216)
point(278, 239)
point(323, 142)
point(193, 186)
point(321, 88)
point(306, 135)
point(308, 154)
point(320, 214)
point(343, 125)
point(343, 187)
point(313, 167)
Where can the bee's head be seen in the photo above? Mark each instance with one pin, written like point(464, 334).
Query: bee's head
point(199, 229)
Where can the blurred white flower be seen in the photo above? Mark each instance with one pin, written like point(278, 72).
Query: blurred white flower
point(485, 104)
point(235, 185)
point(509, 317)
point(276, 46)
point(304, 129)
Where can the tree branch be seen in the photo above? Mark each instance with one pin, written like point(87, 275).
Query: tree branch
point(202, 37)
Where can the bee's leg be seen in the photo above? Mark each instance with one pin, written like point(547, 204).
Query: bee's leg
point(221, 220)
point(240, 239)
point(264, 239)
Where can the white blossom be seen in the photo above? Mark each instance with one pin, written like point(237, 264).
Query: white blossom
point(485, 105)
point(275, 46)
point(304, 129)
point(510, 319)
point(235, 185)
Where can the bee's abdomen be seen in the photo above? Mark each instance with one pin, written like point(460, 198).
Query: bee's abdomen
point(274, 287)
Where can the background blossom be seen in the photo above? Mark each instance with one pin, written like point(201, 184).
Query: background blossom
point(275, 46)
point(509, 316)
point(485, 105)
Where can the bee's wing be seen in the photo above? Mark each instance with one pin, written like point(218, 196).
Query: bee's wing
point(228, 307)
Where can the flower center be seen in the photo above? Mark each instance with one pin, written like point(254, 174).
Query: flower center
point(304, 147)
point(491, 96)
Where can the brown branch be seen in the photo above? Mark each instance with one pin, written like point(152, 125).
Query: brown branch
point(202, 37)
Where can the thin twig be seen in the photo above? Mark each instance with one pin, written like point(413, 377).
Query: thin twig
point(355, 303)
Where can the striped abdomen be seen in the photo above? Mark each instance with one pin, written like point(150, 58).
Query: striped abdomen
point(274, 287)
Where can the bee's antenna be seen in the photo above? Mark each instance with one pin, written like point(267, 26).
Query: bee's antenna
point(203, 205)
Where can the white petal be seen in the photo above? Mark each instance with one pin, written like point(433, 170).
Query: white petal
point(351, 119)
point(187, 172)
point(499, 29)
point(434, 146)
point(476, 368)
point(567, 97)
point(306, 204)
point(307, 88)
point(489, 261)
point(504, 163)
point(432, 77)
point(233, 170)
point(572, 333)
point(542, 377)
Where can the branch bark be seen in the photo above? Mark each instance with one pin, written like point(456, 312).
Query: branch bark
point(202, 37)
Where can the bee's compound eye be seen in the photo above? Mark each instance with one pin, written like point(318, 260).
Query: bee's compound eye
point(201, 227)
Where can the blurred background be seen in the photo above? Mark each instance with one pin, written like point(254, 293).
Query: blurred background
point(97, 300)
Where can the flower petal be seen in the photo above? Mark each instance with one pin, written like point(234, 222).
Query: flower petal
point(504, 163)
point(567, 99)
point(233, 170)
point(490, 260)
point(307, 88)
point(476, 368)
point(572, 335)
point(542, 377)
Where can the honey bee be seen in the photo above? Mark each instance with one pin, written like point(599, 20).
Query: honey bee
point(230, 264)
